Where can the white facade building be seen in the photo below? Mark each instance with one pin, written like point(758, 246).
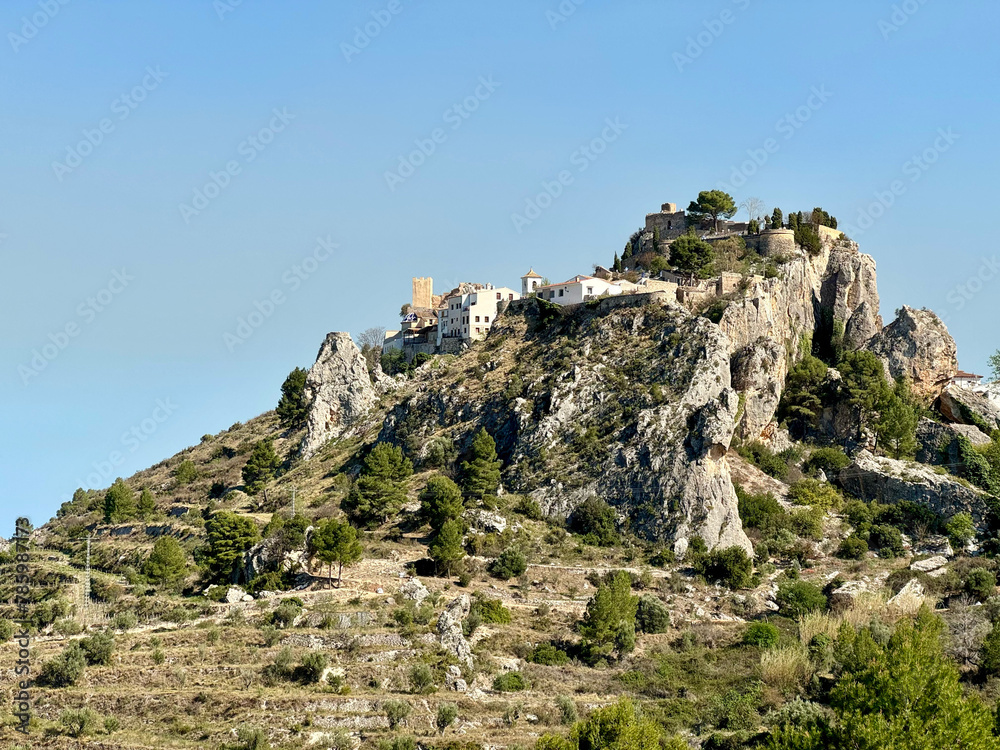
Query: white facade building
point(470, 316)
point(577, 290)
point(530, 282)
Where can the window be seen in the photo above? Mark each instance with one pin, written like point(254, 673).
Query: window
point(477, 318)
point(510, 297)
point(499, 295)
point(561, 292)
point(590, 290)
point(486, 319)
point(477, 330)
point(670, 225)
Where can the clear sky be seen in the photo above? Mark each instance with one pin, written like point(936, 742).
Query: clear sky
point(167, 167)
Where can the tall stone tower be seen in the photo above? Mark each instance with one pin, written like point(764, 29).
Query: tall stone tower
point(423, 291)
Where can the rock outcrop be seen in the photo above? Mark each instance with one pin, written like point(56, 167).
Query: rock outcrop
point(758, 374)
point(339, 391)
point(938, 443)
point(890, 481)
point(634, 405)
point(449, 628)
point(917, 345)
point(965, 406)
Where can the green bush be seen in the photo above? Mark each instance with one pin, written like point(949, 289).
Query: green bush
point(312, 667)
point(960, 530)
point(6, 630)
point(79, 721)
point(64, 670)
point(797, 598)
point(886, 539)
point(652, 615)
point(567, 709)
point(422, 679)
point(595, 521)
point(853, 548)
point(510, 682)
point(446, 715)
point(765, 459)
point(396, 712)
point(186, 472)
point(98, 648)
point(828, 460)
point(814, 493)
point(510, 564)
point(732, 566)
point(761, 634)
point(548, 655)
point(492, 611)
point(981, 584)
point(284, 614)
point(762, 512)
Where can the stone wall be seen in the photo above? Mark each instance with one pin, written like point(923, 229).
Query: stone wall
point(423, 293)
point(776, 242)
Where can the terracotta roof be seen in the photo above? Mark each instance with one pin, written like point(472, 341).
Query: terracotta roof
point(575, 280)
point(531, 274)
point(964, 374)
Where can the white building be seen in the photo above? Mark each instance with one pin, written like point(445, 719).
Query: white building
point(577, 290)
point(966, 379)
point(470, 316)
point(530, 282)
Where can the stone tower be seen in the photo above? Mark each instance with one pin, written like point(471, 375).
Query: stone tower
point(423, 292)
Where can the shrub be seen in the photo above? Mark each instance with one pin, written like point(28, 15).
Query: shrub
point(79, 721)
point(762, 512)
point(761, 634)
point(98, 648)
point(404, 742)
point(828, 460)
point(396, 712)
point(886, 539)
point(186, 472)
point(981, 584)
point(785, 669)
point(510, 682)
point(853, 548)
point(732, 566)
point(548, 655)
point(124, 620)
point(251, 738)
point(312, 667)
point(528, 508)
point(65, 669)
point(446, 715)
point(807, 523)
point(510, 564)
point(595, 521)
point(815, 493)
point(960, 530)
point(421, 679)
point(492, 611)
point(285, 614)
point(765, 459)
point(6, 630)
point(651, 615)
point(797, 598)
point(567, 709)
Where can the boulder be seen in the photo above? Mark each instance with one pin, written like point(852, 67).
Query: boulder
point(339, 391)
point(235, 594)
point(931, 563)
point(910, 597)
point(453, 680)
point(758, 375)
point(938, 443)
point(889, 481)
point(965, 406)
point(486, 521)
point(844, 597)
point(449, 628)
point(414, 590)
point(917, 345)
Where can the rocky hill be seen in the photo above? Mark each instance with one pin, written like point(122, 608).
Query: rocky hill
point(694, 510)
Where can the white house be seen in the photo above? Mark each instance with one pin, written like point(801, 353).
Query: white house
point(470, 316)
point(530, 282)
point(966, 379)
point(577, 290)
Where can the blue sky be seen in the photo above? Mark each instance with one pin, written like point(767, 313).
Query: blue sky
point(131, 288)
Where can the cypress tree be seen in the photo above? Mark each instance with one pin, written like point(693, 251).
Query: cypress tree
point(482, 470)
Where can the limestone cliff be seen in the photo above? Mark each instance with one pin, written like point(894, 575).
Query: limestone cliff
point(916, 345)
point(339, 391)
point(830, 299)
point(632, 404)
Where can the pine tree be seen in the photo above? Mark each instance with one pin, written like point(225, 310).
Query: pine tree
point(292, 408)
point(777, 219)
point(167, 563)
point(261, 467)
point(482, 470)
point(147, 505)
point(446, 548)
point(609, 622)
point(380, 491)
point(229, 536)
point(335, 541)
point(617, 265)
point(441, 501)
point(119, 502)
point(897, 425)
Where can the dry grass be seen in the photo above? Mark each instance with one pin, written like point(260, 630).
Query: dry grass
point(786, 669)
